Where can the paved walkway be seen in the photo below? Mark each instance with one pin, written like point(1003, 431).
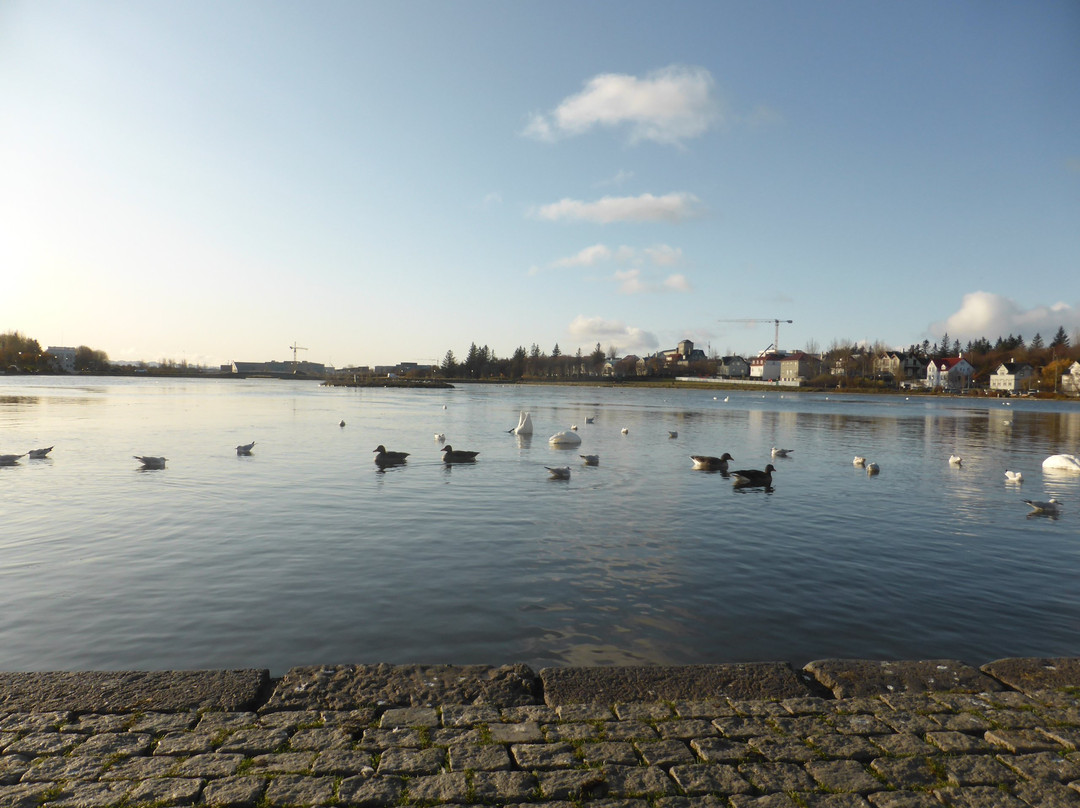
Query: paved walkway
point(837, 733)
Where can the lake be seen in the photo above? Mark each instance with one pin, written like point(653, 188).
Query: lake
point(305, 553)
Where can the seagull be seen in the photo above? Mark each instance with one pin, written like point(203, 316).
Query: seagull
point(781, 452)
point(591, 460)
point(673, 434)
point(573, 427)
point(726, 398)
point(10, 460)
point(452, 455)
point(245, 449)
point(754, 477)
point(149, 462)
point(1050, 508)
point(711, 463)
point(440, 437)
point(38, 454)
point(1014, 476)
point(872, 469)
point(625, 431)
point(859, 461)
point(559, 473)
point(385, 458)
point(956, 460)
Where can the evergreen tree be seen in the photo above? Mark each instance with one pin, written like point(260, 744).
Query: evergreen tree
point(449, 366)
point(1036, 342)
point(1061, 339)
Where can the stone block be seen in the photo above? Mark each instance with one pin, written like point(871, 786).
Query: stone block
point(846, 678)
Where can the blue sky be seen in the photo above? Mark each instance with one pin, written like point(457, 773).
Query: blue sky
point(384, 181)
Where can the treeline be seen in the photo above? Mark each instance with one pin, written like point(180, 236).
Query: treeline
point(22, 354)
point(481, 363)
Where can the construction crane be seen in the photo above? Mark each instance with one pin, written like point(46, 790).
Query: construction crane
point(294, 348)
point(776, 339)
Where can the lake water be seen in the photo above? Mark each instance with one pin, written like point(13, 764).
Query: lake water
point(305, 553)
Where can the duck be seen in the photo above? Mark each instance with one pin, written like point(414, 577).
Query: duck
point(591, 460)
point(452, 455)
point(565, 439)
point(781, 452)
point(672, 433)
point(245, 449)
point(590, 420)
point(709, 463)
point(1014, 476)
point(859, 461)
point(754, 477)
point(385, 458)
point(38, 454)
point(1049, 508)
point(150, 462)
point(956, 460)
point(10, 459)
point(872, 469)
point(559, 472)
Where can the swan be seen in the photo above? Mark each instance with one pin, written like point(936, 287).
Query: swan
point(452, 455)
point(10, 460)
point(672, 434)
point(38, 454)
point(709, 463)
point(1051, 507)
point(1062, 462)
point(565, 439)
point(591, 460)
point(559, 473)
point(754, 477)
point(1014, 476)
point(872, 469)
point(859, 461)
point(956, 460)
point(245, 449)
point(149, 462)
point(385, 458)
point(525, 425)
point(781, 452)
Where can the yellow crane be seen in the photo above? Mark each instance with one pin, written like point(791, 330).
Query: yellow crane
point(776, 322)
point(294, 348)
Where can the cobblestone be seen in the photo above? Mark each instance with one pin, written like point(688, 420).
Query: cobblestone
point(882, 746)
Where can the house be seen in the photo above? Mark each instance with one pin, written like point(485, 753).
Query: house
point(622, 366)
point(684, 354)
point(733, 367)
point(766, 367)
point(950, 373)
point(1011, 377)
point(1070, 380)
point(63, 358)
point(900, 365)
point(849, 363)
point(799, 366)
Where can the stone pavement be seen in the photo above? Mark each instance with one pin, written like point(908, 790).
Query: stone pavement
point(834, 734)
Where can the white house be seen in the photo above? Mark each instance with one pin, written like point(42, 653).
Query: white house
point(64, 357)
point(766, 367)
point(1070, 380)
point(950, 373)
point(1011, 377)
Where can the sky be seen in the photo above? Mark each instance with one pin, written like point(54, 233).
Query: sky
point(379, 182)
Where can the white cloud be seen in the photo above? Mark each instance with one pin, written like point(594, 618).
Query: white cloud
point(673, 207)
point(588, 257)
point(985, 314)
point(664, 255)
point(677, 283)
point(630, 282)
point(667, 106)
point(612, 332)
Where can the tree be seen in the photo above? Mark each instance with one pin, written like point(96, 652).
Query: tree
point(449, 365)
point(596, 360)
point(555, 351)
point(1036, 342)
point(1061, 339)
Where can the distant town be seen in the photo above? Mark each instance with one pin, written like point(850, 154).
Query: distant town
point(1008, 366)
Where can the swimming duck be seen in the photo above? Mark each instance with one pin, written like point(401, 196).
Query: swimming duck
point(754, 477)
point(385, 458)
point(672, 434)
point(452, 455)
point(245, 449)
point(709, 463)
point(781, 452)
point(591, 460)
point(38, 454)
point(149, 462)
point(559, 473)
point(1050, 508)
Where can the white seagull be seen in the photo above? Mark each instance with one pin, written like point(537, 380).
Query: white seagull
point(1014, 477)
point(149, 462)
point(781, 452)
point(956, 460)
point(245, 449)
point(1051, 507)
point(625, 431)
point(590, 460)
point(559, 473)
point(440, 437)
point(859, 461)
point(38, 454)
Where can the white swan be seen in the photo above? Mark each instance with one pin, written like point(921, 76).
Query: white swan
point(956, 460)
point(565, 439)
point(525, 426)
point(559, 473)
point(781, 452)
point(1062, 462)
point(591, 460)
point(1014, 476)
point(149, 462)
point(1051, 507)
